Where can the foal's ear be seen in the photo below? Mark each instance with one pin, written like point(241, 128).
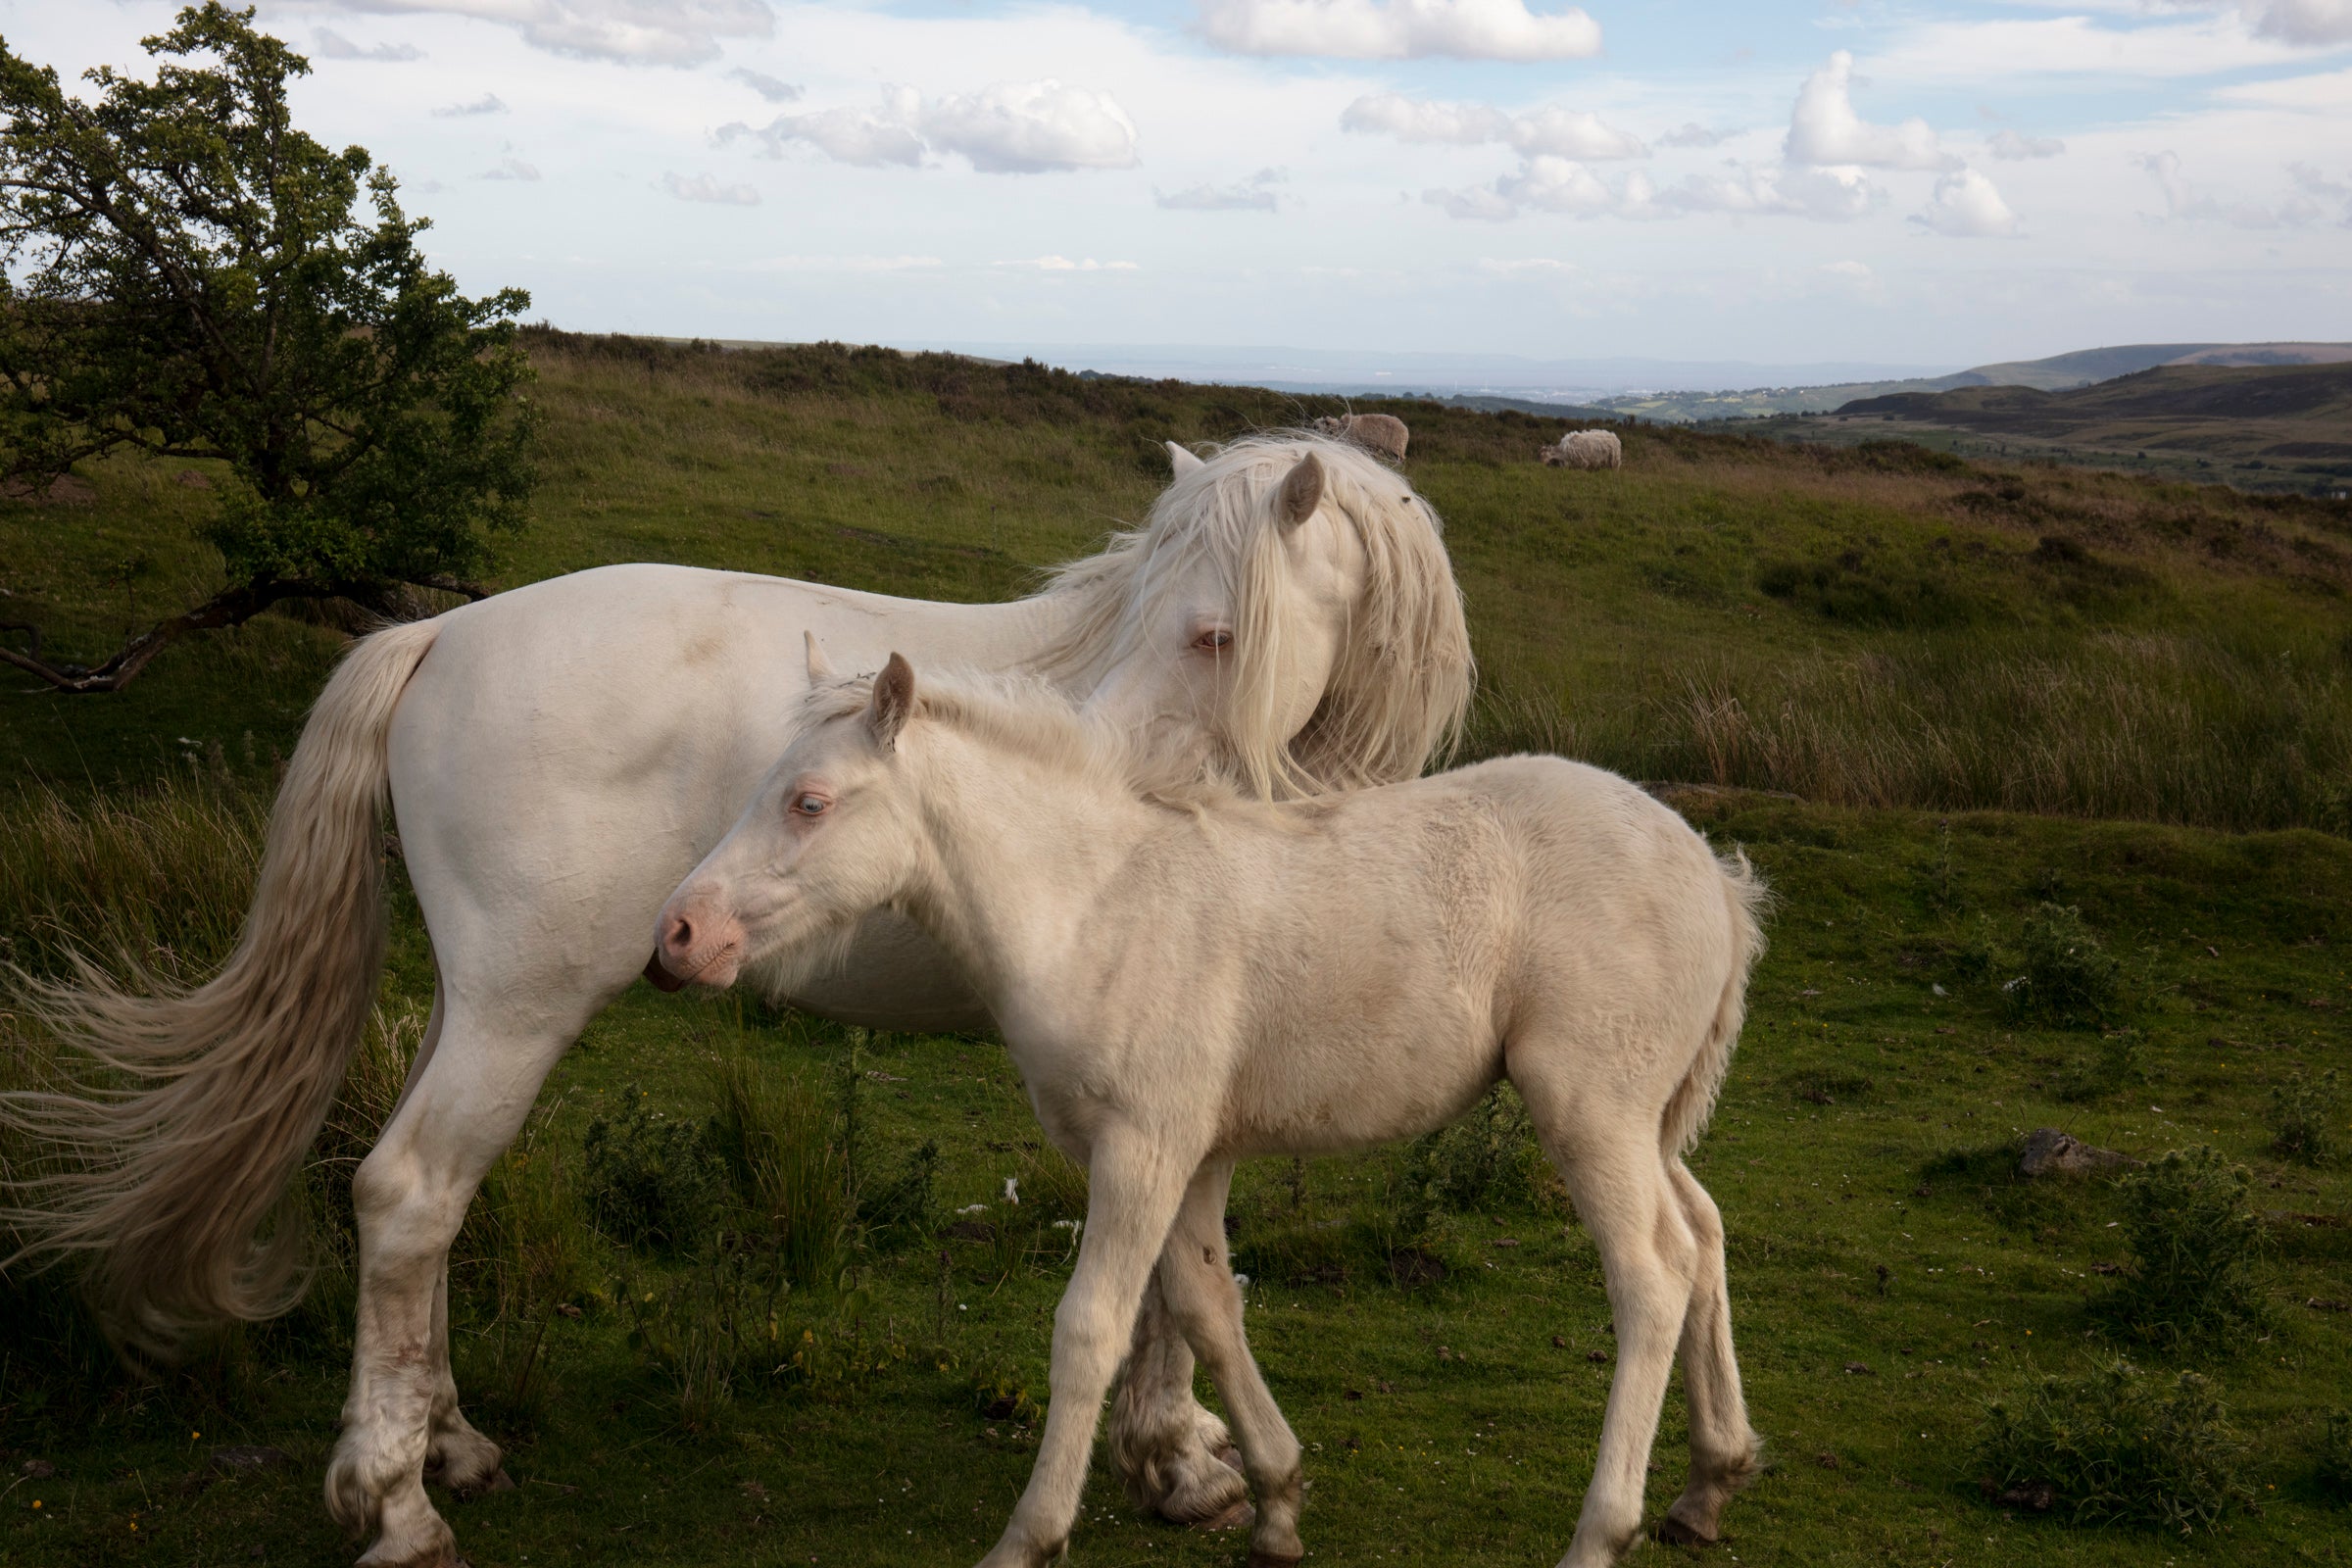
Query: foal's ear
point(1301, 491)
point(1183, 461)
point(894, 700)
point(820, 668)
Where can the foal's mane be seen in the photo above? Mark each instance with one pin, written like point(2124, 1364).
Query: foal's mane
point(1037, 721)
point(1397, 696)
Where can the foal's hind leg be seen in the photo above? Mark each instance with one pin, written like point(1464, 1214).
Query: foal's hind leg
point(1168, 1448)
point(1725, 1450)
point(1649, 1258)
point(1197, 1278)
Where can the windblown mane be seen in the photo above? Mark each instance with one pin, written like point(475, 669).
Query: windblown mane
point(1395, 698)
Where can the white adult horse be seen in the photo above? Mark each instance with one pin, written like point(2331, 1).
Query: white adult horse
point(556, 758)
point(1183, 983)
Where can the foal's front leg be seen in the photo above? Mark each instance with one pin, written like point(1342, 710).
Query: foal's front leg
point(1135, 1184)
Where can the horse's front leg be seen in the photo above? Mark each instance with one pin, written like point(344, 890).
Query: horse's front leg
point(1134, 1183)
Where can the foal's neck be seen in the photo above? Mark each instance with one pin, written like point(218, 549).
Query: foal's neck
point(1022, 850)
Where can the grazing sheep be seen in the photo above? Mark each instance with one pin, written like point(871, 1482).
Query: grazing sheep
point(1586, 449)
point(1383, 433)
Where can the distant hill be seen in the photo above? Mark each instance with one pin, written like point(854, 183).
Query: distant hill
point(2263, 427)
point(2058, 373)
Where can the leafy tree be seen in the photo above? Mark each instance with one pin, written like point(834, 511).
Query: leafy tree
point(189, 275)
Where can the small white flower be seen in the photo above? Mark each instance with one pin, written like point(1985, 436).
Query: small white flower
point(1073, 1225)
point(1940, 991)
point(973, 1208)
point(1241, 1280)
point(1012, 1191)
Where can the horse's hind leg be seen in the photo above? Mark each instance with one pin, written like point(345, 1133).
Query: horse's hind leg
point(1649, 1259)
point(1725, 1450)
point(1196, 1277)
point(1168, 1448)
point(409, 1196)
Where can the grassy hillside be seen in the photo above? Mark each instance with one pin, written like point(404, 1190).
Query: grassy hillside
point(1878, 625)
point(2277, 427)
point(1907, 641)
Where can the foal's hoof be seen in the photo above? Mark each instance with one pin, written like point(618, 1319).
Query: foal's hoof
point(1241, 1516)
point(1675, 1532)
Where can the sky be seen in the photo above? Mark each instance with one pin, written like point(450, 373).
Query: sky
point(1938, 183)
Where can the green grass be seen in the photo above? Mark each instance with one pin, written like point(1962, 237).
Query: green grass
point(1861, 1153)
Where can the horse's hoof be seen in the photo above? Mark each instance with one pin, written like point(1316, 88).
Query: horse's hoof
point(1677, 1532)
point(1238, 1517)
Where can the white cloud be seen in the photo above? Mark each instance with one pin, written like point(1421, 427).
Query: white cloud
point(1855, 272)
point(2009, 144)
point(775, 90)
point(1558, 185)
point(1477, 202)
point(867, 139)
point(1825, 129)
point(2182, 203)
point(1524, 266)
point(488, 103)
point(510, 168)
point(1967, 206)
point(1032, 128)
point(1399, 29)
point(643, 32)
point(707, 188)
point(849, 264)
point(1552, 131)
point(332, 45)
point(1690, 133)
point(2315, 23)
point(1062, 264)
point(1825, 195)
point(1254, 194)
point(1010, 127)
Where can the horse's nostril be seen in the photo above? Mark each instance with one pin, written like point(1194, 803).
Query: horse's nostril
point(681, 935)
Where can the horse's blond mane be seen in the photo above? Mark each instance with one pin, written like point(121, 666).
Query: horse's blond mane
point(1396, 699)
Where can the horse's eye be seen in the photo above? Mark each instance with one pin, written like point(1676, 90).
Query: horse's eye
point(811, 805)
point(1215, 641)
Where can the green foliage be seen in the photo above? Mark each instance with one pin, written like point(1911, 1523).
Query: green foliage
point(2117, 1067)
point(708, 1330)
point(774, 1134)
point(1002, 1389)
point(1488, 1159)
point(2194, 1241)
point(2115, 1448)
point(2305, 1112)
point(2069, 977)
point(191, 277)
point(530, 1256)
point(652, 1180)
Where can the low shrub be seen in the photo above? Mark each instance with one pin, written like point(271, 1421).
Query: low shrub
point(652, 1180)
point(1488, 1159)
point(2115, 1448)
point(2304, 1114)
point(2069, 977)
point(2194, 1239)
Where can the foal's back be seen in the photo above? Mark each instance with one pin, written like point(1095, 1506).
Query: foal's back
point(1404, 942)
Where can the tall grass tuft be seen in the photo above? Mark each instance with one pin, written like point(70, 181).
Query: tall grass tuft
point(2194, 1239)
point(2114, 1448)
point(2155, 727)
point(2304, 1114)
point(522, 1255)
point(774, 1133)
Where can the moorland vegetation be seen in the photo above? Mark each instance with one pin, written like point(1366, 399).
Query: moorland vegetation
point(2048, 769)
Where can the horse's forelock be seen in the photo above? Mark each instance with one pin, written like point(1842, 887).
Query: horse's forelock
point(1395, 698)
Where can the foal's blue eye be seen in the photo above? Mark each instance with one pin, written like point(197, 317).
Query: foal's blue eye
point(811, 805)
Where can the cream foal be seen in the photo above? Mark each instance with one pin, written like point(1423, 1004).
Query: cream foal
point(1186, 983)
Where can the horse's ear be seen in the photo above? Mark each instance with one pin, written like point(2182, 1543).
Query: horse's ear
point(894, 700)
point(820, 668)
point(1183, 461)
point(1301, 491)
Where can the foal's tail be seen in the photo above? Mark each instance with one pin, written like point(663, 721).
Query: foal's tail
point(1744, 898)
point(168, 1175)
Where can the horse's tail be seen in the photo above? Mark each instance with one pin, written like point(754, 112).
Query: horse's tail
point(168, 1177)
point(1744, 898)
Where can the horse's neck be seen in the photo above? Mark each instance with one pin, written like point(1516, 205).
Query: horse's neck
point(1020, 850)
